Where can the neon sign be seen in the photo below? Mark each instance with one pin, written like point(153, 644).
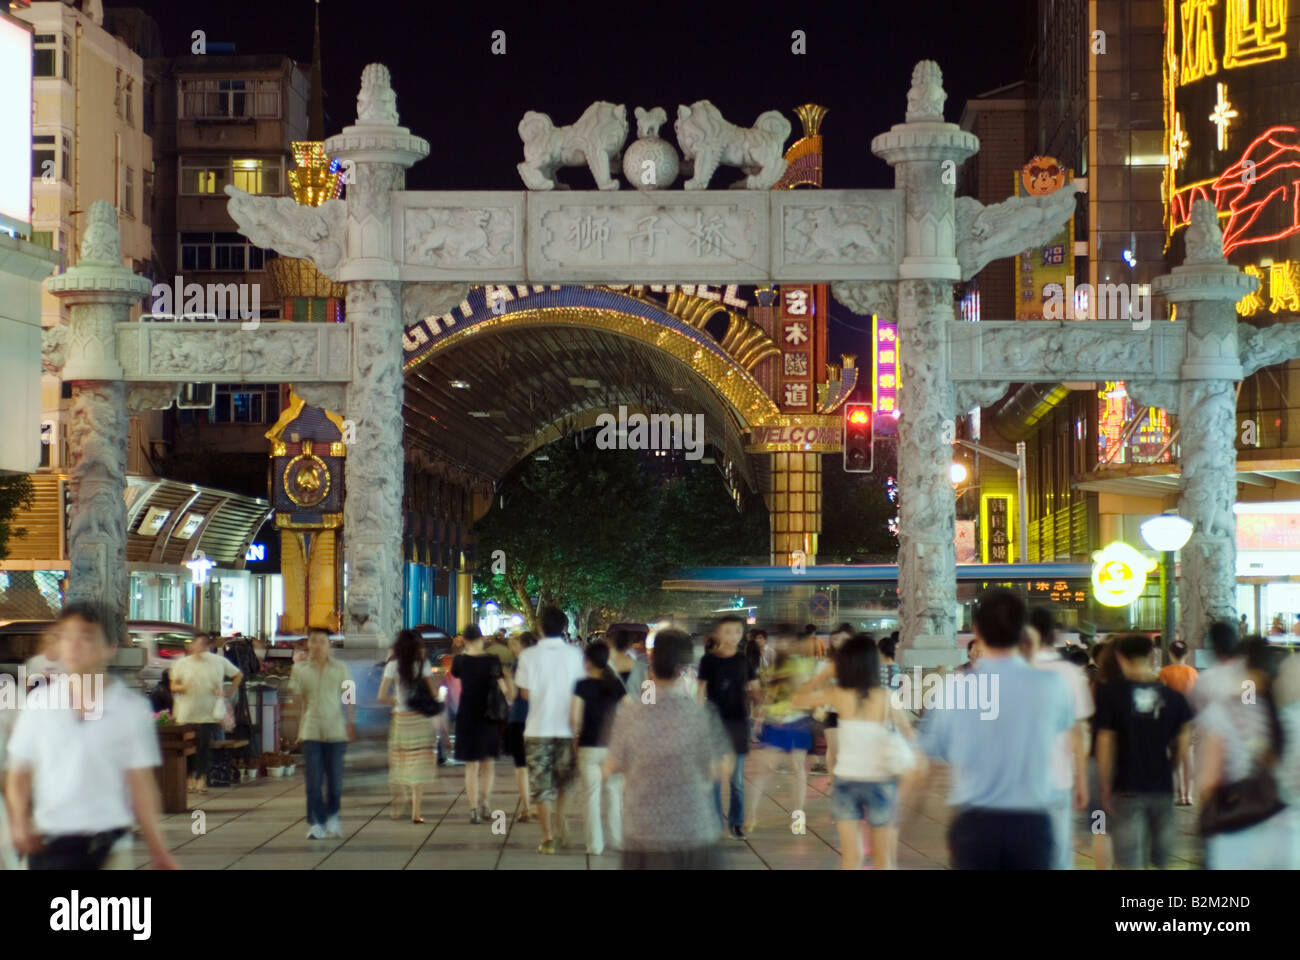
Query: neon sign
point(1119, 574)
point(885, 375)
point(1266, 175)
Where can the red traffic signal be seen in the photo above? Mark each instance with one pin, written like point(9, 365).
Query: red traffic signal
point(857, 438)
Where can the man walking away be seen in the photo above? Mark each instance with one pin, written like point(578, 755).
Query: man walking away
point(729, 681)
point(546, 677)
point(671, 752)
point(1138, 720)
point(1001, 753)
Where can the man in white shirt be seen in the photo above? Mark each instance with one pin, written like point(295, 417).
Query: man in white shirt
point(79, 776)
point(1070, 761)
point(198, 684)
point(546, 677)
point(1225, 678)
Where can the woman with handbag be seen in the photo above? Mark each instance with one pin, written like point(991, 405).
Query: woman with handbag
point(198, 689)
point(410, 732)
point(871, 757)
point(485, 695)
point(1244, 818)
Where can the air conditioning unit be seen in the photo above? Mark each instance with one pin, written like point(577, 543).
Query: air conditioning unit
point(197, 396)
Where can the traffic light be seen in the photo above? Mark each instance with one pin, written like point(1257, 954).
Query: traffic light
point(857, 438)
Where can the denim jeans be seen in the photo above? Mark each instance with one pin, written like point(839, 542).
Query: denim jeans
point(1062, 814)
point(1142, 821)
point(324, 761)
point(736, 817)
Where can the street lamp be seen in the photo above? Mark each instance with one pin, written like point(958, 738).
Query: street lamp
point(958, 473)
point(1167, 533)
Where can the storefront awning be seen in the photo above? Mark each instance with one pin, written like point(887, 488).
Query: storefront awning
point(168, 522)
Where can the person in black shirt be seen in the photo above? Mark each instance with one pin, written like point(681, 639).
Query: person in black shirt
point(729, 680)
point(1138, 720)
point(594, 699)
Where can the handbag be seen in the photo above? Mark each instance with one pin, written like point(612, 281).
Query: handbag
point(422, 700)
point(1244, 803)
point(496, 709)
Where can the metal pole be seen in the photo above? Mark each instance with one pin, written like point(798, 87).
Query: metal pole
point(1171, 586)
point(1021, 484)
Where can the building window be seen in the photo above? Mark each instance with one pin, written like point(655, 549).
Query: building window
point(128, 94)
point(256, 175)
point(117, 93)
point(146, 205)
point(67, 57)
point(222, 251)
point(230, 99)
point(65, 173)
point(246, 403)
point(43, 156)
point(209, 175)
point(44, 53)
point(200, 175)
point(43, 238)
point(128, 193)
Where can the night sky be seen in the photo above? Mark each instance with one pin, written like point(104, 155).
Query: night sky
point(467, 103)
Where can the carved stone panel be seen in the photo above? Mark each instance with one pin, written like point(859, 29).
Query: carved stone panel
point(223, 353)
point(443, 236)
point(715, 236)
point(1030, 351)
point(817, 233)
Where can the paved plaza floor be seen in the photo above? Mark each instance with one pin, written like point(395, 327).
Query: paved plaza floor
point(262, 826)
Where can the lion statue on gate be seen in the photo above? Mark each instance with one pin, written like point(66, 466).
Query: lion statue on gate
point(594, 141)
point(709, 140)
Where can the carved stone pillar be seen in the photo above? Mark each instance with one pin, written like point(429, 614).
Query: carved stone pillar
point(100, 292)
point(1205, 289)
point(376, 153)
point(925, 153)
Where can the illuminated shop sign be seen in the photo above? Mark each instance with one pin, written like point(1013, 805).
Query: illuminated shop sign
point(885, 375)
point(1119, 574)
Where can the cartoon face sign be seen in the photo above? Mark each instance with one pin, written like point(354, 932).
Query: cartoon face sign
point(1119, 574)
point(1042, 175)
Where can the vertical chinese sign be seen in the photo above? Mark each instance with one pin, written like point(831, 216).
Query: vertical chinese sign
point(885, 375)
point(802, 342)
point(995, 542)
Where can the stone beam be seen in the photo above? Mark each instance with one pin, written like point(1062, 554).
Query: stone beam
point(1054, 351)
point(654, 236)
point(224, 353)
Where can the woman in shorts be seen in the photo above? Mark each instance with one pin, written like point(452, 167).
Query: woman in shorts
point(786, 729)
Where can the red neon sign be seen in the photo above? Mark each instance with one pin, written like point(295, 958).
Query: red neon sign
point(1268, 172)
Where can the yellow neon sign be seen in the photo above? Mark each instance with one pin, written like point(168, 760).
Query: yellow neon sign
point(1119, 574)
point(1251, 303)
point(1284, 286)
point(1008, 528)
point(1198, 40)
point(1250, 40)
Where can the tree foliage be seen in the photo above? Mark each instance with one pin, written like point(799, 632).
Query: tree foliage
point(597, 531)
point(16, 493)
point(856, 511)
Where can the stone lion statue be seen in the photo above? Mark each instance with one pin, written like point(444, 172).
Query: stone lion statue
point(377, 102)
point(709, 140)
point(594, 141)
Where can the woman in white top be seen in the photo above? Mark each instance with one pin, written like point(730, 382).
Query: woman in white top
point(411, 760)
point(870, 756)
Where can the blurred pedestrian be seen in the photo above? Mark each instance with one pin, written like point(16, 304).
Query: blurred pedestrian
point(872, 754)
point(322, 684)
point(595, 699)
point(889, 669)
point(830, 721)
point(45, 661)
point(1000, 747)
point(200, 697)
point(411, 762)
point(671, 751)
point(80, 777)
point(546, 677)
point(1070, 762)
point(972, 657)
point(1143, 730)
point(1242, 764)
point(500, 648)
point(786, 729)
point(1179, 675)
point(515, 728)
point(1224, 679)
point(632, 671)
point(729, 681)
point(478, 730)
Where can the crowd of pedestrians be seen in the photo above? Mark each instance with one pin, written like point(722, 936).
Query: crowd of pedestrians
point(666, 755)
